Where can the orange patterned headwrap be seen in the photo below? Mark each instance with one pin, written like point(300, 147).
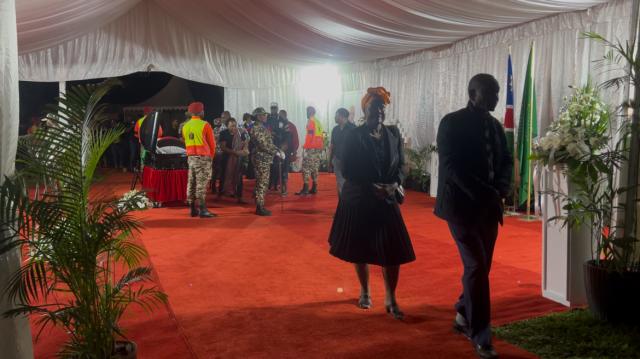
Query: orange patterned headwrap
point(373, 92)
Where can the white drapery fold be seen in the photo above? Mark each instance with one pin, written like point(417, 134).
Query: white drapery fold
point(427, 85)
point(148, 38)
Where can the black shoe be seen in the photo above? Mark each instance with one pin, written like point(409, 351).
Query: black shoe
point(365, 301)
point(284, 192)
point(204, 213)
point(485, 351)
point(394, 311)
point(304, 191)
point(261, 211)
point(194, 211)
point(460, 326)
point(314, 189)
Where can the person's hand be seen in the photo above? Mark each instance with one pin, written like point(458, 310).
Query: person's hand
point(243, 153)
point(281, 154)
point(383, 191)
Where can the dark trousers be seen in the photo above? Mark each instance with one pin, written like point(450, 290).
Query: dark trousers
point(274, 181)
point(475, 245)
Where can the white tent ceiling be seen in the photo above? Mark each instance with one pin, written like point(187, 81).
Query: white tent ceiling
point(297, 31)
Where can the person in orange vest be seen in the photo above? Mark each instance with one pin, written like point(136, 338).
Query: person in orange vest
point(201, 148)
point(313, 147)
point(136, 132)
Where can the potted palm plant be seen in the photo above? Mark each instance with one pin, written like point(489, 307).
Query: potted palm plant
point(81, 266)
point(583, 144)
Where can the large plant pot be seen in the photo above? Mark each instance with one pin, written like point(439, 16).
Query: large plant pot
point(125, 350)
point(612, 296)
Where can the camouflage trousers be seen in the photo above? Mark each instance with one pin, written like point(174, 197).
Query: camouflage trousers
point(311, 164)
point(262, 169)
point(199, 177)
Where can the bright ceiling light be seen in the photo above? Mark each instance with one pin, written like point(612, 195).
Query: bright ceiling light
point(320, 83)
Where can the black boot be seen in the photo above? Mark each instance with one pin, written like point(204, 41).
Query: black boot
point(204, 212)
point(261, 211)
point(304, 191)
point(283, 188)
point(314, 188)
point(194, 211)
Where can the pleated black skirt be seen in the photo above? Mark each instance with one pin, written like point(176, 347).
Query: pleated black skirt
point(368, 230)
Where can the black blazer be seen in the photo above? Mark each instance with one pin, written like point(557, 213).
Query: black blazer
point(359, 164)
point(465, 193)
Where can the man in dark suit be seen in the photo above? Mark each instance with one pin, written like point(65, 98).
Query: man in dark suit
point(474, 175)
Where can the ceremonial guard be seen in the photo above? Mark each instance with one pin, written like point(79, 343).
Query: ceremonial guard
point(201, 148)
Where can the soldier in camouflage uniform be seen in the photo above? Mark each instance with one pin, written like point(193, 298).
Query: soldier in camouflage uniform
point(201, 147)
point(265, 150)
point(313, 148)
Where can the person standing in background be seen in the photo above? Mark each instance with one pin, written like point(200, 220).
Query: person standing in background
point(313, 146)
point(136, 133)
point(338, 135)
point(218, 125)
point(265, 150)
point(276, 127)
point(234, 143)
point(289, 145)
point(201, 148)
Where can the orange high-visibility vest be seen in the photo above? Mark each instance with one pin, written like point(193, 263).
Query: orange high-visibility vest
point(314, 138)
point(138, 125)
point(198, 137)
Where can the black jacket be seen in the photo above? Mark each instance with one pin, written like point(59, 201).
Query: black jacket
point(465, 192)
point(361, 168)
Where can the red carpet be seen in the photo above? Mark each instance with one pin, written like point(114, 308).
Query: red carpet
point(242, 286)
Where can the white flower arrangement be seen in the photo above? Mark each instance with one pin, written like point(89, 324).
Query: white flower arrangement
point(136, 200)
point(579, 132)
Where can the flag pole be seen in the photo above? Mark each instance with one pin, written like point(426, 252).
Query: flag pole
point(513, 209)
point(529, 217)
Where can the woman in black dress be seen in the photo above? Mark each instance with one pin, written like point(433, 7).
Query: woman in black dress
point(368, 227)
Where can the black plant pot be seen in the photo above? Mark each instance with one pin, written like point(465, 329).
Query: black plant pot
point(612, 296)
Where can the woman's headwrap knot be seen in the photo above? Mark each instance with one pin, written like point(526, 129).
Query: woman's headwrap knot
point(376, 92)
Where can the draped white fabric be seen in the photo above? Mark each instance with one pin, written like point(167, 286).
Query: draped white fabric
point(255, 49)
point(298, 30)
point(427, 85)
point(15, 332)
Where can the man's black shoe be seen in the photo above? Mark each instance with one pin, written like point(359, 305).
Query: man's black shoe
point(460, 326)
point(194, 211)
point(314, 189)
point(204, 213)
point(304, 191)
point(486, 351)
point(261, 211)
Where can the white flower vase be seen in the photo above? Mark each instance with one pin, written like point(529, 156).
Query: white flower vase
point(564, 248)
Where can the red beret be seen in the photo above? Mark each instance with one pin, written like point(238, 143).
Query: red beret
point(147, 110)
point(196, 108)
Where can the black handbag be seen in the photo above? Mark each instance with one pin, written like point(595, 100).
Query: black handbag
point(400, 194)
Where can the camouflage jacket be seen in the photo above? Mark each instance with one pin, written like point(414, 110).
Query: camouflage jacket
point(263, 143)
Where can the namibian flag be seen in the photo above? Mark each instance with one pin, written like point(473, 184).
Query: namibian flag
point(508, 115)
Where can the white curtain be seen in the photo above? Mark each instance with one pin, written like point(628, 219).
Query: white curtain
point(427, 85)
point(15, 332)
point(147, 37)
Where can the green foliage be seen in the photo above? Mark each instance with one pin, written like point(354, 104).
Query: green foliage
point(418, 177)
point(573, 334)
point(74, 240)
